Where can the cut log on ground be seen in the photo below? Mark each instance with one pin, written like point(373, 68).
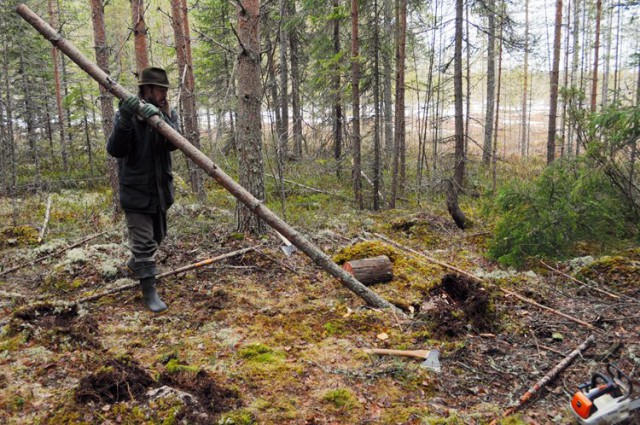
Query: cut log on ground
point(370, 270)
point(201, 160)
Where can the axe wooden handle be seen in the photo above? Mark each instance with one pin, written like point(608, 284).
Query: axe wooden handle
point(418, 354)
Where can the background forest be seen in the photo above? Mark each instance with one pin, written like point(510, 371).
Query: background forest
point(496, 137)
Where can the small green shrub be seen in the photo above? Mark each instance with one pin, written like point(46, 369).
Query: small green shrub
point(570, 202)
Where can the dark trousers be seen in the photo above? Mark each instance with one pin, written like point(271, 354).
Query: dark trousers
point(146, 232)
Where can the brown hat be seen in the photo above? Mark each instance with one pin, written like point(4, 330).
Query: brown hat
point(154, 76)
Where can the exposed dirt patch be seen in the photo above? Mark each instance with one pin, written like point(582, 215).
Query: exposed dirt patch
point(55, 325)
point(458, 305)
point(210, 392)
point(119, 380)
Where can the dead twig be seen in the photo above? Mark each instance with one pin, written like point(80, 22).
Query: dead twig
point(280, 263)
point(43, 230)
point(166, 274)
point(573, 279)
point(478, 279)
point(550, 376)
point(44, 257)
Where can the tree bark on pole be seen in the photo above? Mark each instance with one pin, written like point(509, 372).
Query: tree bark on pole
point(596, 50)
point(139, 35)
point(355, 102)
point(106, 99)
point(53, 17)
point(249, 114)
point(250, 201)
point(398, 180)
point(555, 76)
point(491, 84)
point(458, 174)
point(337, 87)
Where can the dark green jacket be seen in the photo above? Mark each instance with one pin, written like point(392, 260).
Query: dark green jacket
point(144, 164)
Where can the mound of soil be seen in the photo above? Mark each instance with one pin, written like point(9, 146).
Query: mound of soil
point(55, 325)
point(458, 305)
point(118, 380)
point(211, 394)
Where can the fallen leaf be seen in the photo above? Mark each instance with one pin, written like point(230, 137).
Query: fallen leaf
point(383, 336)
point(348, 313)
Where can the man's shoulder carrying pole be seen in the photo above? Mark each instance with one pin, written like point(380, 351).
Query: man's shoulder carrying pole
point(255, 205)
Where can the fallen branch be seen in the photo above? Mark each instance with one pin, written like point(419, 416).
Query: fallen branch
point(254, 204)
point(167, 274)
point(573, 279)
point(46, 220)
point(478, 279)
point(313, 189)
point(550, 376)
point(44, 257)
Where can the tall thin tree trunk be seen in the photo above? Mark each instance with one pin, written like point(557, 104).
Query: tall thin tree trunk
point(106, 98)
point(596, 51)
point(458, 174)
point(387, 97)
point(87, 137)
point(377, 167)
point(139, 35)
point(616, 71)
point(9, 108)
point(53, 17)
point(28, 108)
point(494, 156)
point(337, 89)
point(283, 100)
point(525, 81)
point(563, 128)
point(491, 84)
point(575, 34)
point(553, 100)
point(296, 104)
point(467, 117)
point(607, 60)
point(355, 100)
point(179, 22)
point(249, 113)
point(397, 184)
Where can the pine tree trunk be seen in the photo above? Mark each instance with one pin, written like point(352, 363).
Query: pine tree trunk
point(139, 35)
point(491, 84)
point(53, 17)
point(467, 117)
point(179, 22)
point(494, 155)
point(106, 98)
point(296, 105)
point(387, 97)
point(377, 167)
point(87, 137)
point(458, 175)
point(355, 100)
point(9, 108)
point(607, 61)
point(337, 98)
point(398, 148)
point(553, 100)
point(563, 128)
point(249, 114)
point(283, 100)
point(525, 82)
point(4, 152)
point(28, 108)
point(596, 51)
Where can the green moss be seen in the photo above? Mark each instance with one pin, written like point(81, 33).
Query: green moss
point(18, 236)
point(237, 417)
point(11, 344)
point(174, 366)
point(261, 354)
point(366, 250)
point(341, 398)
point(617, 269)
point(333, 328)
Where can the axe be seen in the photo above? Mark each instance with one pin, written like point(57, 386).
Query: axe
point(288, 248)
point(430, 357)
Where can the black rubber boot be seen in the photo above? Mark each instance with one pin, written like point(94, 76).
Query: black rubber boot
point(150, 296)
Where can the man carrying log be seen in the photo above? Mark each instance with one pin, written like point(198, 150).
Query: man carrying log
point(146, 181)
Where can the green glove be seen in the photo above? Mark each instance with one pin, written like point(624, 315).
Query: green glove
point(127, 108)
point(149, 110)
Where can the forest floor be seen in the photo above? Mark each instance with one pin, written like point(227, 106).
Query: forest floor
point(270, 339)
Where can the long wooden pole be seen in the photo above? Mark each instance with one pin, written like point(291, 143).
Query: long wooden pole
point(255, 205)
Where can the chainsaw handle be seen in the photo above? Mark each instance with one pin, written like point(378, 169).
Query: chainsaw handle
point(600, 388)
point(616, 374)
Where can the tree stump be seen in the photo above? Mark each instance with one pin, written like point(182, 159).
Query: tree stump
point(370, 270)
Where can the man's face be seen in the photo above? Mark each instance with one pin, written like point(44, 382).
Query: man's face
point(156, 95)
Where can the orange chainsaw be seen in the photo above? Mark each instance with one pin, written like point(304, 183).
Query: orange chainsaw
point(605, 399)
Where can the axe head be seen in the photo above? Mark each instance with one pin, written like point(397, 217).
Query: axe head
point(288, 249)
point(432, 362)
